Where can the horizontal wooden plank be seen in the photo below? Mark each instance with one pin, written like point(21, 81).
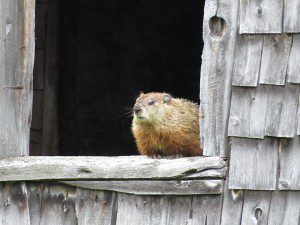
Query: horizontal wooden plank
point(122, 167)
point(291, 23)
point(263, 16)
point(253, 164)
point(247, 60)
point(155, 187)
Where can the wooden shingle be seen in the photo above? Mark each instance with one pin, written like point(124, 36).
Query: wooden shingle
point(289, 177)
point(248, 110)
point(293, 72)
point(247, 60)
point(261, 16)
point(274, 61)
point(253, 164)
point(291, 16)
point(281, 117)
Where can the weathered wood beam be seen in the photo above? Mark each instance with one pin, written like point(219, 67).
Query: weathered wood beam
point(154, 187)
point(99, 168)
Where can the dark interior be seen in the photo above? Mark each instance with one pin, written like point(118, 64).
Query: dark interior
point(109, 51)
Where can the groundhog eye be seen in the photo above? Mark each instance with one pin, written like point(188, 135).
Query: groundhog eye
point(151, 102)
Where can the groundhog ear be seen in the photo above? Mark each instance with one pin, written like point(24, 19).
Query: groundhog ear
point(166, 98)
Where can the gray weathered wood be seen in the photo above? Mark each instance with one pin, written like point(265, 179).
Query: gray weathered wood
point(232, 206)
point(247, 60)
point(291, 23)
point(289, 178)
point(248, 111)
point(274, 59)
point(281, 117)
point(133, 210)
point(14, 204)
point(16, 66)
point(256, 207)
point(122, 167)
point(153, 187)
point(159, 210)
point(216, 72)
point(261, 16)
point(95, 207)
point(35, 199)
point(58, 206)
point(293, 72)
point(298, 118)
point(50, 119)
point(179, 210)
point(284, 208)
point(249, 157)
point(205, 210)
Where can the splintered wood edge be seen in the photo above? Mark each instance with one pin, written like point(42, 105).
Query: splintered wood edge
point(110, 168)
point(154, 187)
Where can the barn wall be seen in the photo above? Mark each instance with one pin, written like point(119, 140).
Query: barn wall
point(57, 204)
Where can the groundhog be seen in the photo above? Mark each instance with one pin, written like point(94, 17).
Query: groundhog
point(165, 126)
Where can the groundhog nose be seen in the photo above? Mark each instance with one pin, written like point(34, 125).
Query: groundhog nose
point(137, 109)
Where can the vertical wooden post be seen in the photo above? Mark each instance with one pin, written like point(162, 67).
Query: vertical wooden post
point(16, 68)
point(219, 34)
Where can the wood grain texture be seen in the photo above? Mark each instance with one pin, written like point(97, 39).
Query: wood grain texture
point(122, 167)
point(289, 177)
point(216, 72)
point(249, 157)
point(274, 61)
point(206, 210)
point(247, 60)
point(50, 121)
point(35, 201)
point(256, 207)
point(14, 208)
point(153, 187)
point(282, 106)
point(133, 210)
point(248, 112)
point(16, 66)
point(261, 16)
point(294, 59)
point(291, 23)
point(284, 208)
point(232, 206)
point(95, 207)
point(58, 206)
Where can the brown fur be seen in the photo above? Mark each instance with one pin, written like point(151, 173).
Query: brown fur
point(167, 128)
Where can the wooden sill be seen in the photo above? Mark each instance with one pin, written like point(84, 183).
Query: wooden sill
point(130, 174)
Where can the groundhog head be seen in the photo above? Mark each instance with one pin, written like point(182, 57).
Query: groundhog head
point(149, 107)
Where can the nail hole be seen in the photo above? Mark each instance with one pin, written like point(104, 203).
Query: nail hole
point(217, 26)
